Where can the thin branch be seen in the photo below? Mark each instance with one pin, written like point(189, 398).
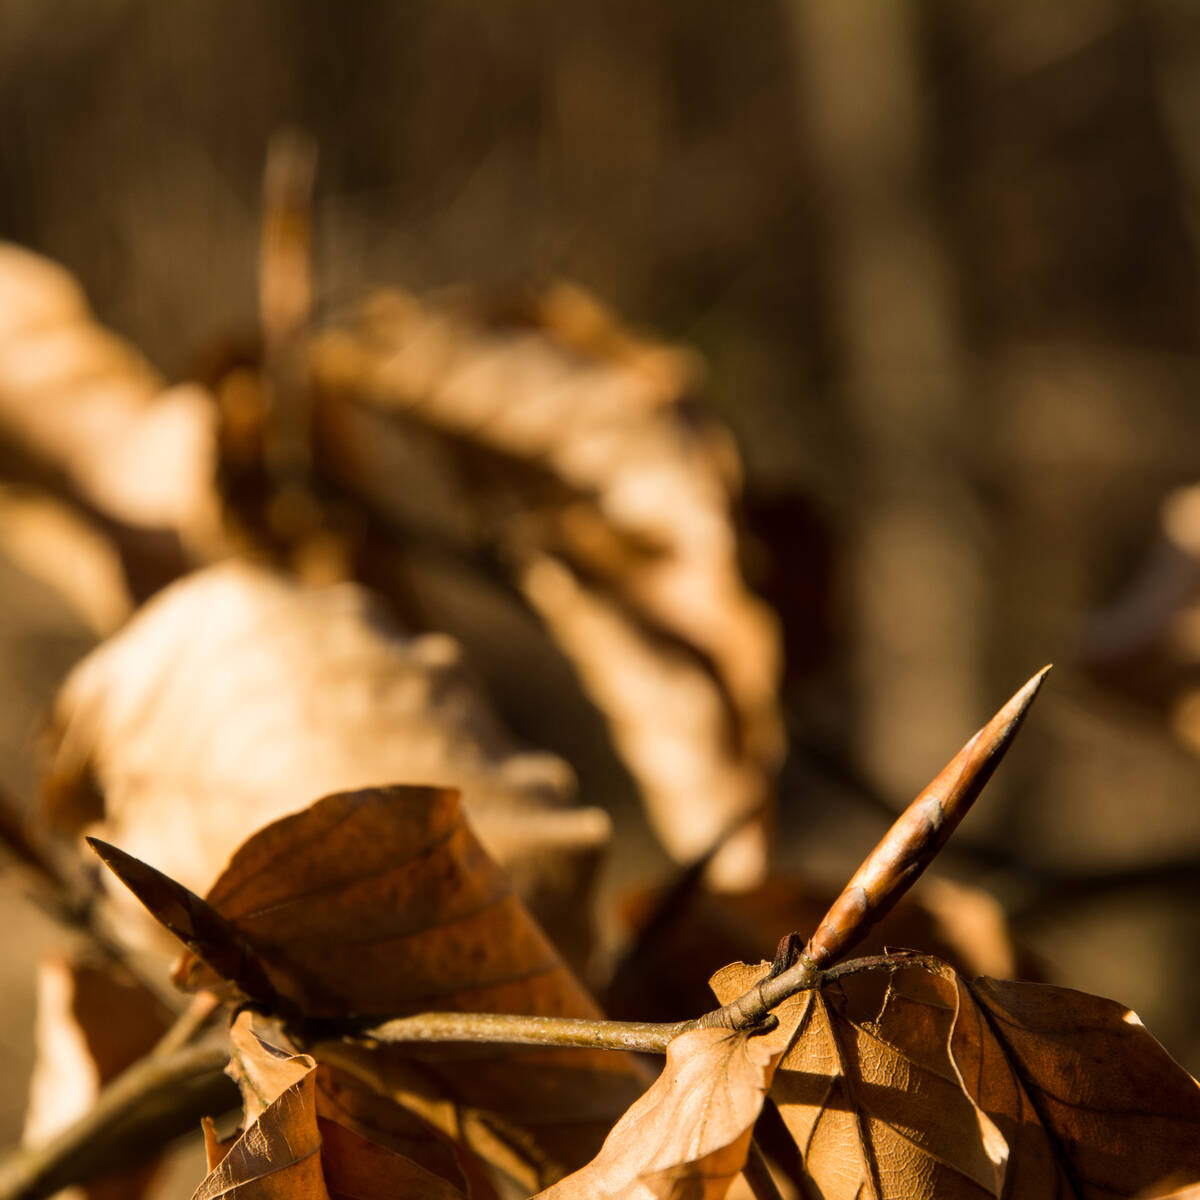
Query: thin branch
point(885, 875)
point(156, 1099)
point(513, 1029)
point(150, 1102)
point(177, 1083)
point(100, 1139)
point(647, 1037)
point(753, 1006)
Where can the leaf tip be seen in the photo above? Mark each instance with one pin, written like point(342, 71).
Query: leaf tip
point(106, 852)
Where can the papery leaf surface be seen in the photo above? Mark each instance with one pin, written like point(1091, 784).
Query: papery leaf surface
point(236, 696)
point(380, 903)
point(688, 1136)
point(576, 444)
point(293, 1148)
point(913, 1082)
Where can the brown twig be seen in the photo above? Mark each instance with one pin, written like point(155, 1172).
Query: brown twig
point(172, 1087)
point(648, 1037)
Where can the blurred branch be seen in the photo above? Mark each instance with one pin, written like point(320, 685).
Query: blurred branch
point(155, 1100)
point(69, 901)
point(1054, 892)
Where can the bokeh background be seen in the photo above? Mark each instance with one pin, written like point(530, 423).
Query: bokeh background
point(941, 261)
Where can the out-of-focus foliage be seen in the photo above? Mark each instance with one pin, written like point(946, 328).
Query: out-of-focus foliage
point(940, 262)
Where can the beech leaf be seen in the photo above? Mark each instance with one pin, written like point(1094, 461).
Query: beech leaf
point(913, 1083)
point(1120, 1115)
point(380, 903)
point(577, 446)
point(195, 923)
point(82, 402)
point(292, 1148)
point(690, 1133)
point(278, 1156)
point(235, 697)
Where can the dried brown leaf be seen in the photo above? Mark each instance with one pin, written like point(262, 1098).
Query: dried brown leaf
point(235, 697)
point(665, 716)
point(914, 1083)
point(85, 406)
point(278, 1155)
point(358, 1112)
point(292, 1147)
point(1120, 1114)
point(573, 442)
point(381, 903)
point(690, 1133)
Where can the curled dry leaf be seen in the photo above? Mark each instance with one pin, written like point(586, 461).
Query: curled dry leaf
point(914, 1083)
point(235, 697)
point(88, 409)
point(382, 903)
point(278, 1152)
point(292, 1147)
point(570, 443)
point(93, 1021)
point(690, 1133)
point(666, 718)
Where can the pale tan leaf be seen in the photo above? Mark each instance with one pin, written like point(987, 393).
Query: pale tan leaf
point(380, 903)
point(690, 1133)
point(93, 1021)
point(665, 717)
point(555, 432)
point(215, 1146)
point(85, 405)
point(278, 1157)
point(262, 1071)
point(912, 1083)
point(235, 697)
point(60, 546)
point(295, 1144)
point(972, 924)
point(873, 1099)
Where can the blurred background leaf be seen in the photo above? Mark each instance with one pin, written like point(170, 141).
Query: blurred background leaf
point(940, 263)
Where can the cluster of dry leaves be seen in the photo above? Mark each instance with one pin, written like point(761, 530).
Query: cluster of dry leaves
point(309, 788)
